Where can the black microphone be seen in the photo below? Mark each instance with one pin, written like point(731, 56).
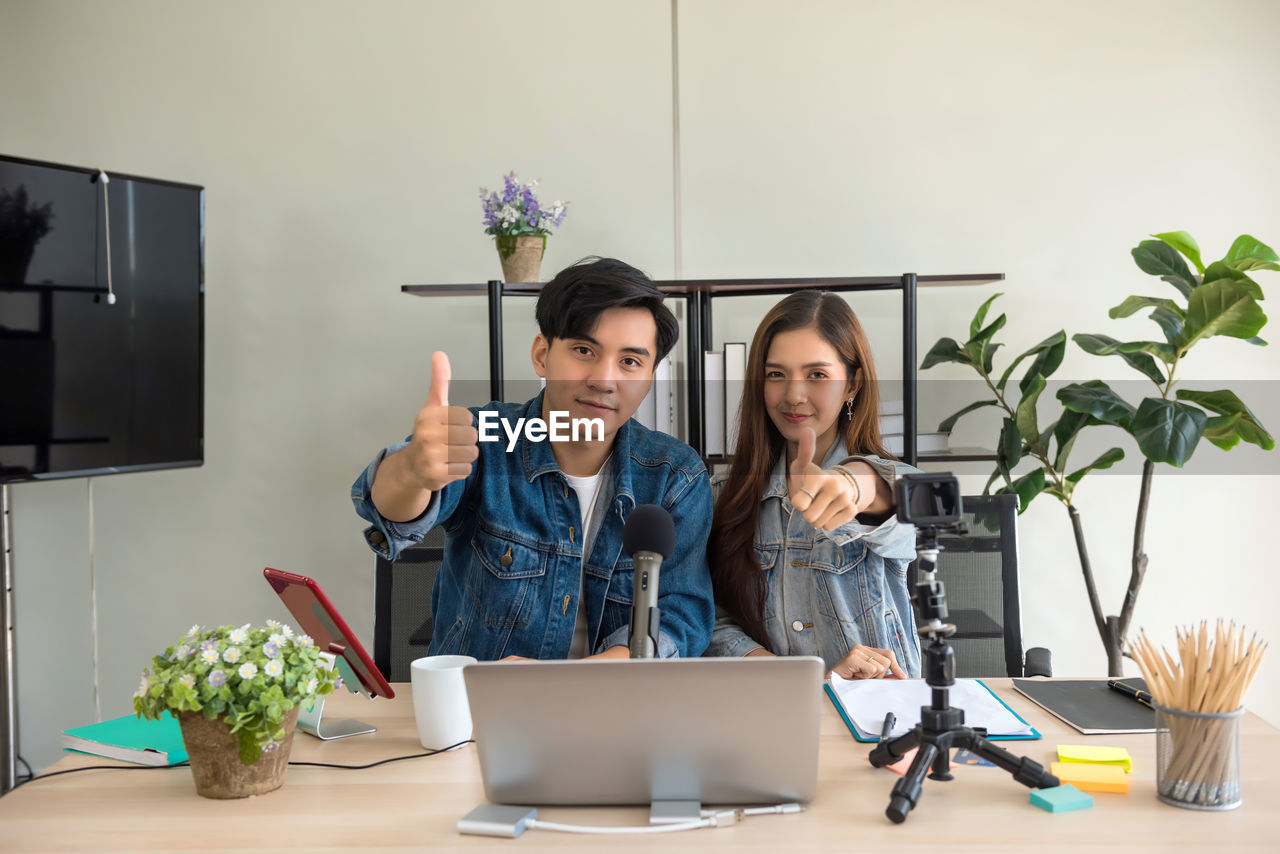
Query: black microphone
point(648, 537)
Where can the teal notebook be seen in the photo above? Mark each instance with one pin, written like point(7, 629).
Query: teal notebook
point(862, 705)
point(131, 739)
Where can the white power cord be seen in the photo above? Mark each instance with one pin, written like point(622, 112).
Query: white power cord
point(723, 818)
point(776, 809)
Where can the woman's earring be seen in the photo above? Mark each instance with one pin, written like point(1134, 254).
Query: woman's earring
point(848, 408)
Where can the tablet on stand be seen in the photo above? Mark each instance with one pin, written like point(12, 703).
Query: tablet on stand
point(317, 617)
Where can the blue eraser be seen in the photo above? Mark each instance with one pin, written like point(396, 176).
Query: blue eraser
point(1062, 798)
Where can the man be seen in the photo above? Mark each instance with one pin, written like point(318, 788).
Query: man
point(533, 510)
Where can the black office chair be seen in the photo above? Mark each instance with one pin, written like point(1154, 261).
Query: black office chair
point(980, 572)
point(402, 623)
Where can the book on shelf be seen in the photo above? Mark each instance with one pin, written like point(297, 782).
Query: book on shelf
point(893, 424)
point(655, 410)
point(926, 443)
point(647, 412)
point(131, 739)
point(713, 401)
point(663, 389)
point(735, 380)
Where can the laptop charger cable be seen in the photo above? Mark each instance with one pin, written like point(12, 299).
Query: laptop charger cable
point(510, 822)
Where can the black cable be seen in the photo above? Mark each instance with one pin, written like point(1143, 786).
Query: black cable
point(187, 764)
point(103, 768)
point(30, 773)
point(385, 761)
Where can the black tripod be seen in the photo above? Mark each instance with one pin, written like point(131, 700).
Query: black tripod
point(941, 727)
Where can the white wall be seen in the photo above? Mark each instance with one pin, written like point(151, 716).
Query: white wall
point(342, 147)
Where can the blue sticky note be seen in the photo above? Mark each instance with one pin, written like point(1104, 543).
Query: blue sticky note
point(1061, 799)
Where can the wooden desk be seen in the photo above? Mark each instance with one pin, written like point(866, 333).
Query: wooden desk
point(414, 804)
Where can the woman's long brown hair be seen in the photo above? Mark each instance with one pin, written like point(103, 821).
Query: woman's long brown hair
point(740, 584)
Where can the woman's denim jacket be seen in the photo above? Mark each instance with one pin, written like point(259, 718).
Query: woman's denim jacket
point(513, 567)
point(829, 590)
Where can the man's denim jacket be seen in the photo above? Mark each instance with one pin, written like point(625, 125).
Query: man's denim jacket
point(509, 583)
point(829, 590)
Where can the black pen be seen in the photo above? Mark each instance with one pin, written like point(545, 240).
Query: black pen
point(1129, 691)
point(889, 721)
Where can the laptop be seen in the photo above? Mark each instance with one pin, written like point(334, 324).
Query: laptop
point(716, 730)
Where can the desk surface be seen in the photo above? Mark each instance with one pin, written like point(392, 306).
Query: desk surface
point(416, 803)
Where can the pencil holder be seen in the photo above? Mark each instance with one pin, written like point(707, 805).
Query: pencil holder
point(1198, 758)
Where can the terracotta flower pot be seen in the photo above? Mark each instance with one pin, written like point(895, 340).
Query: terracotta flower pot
point(214, 753)
point(521, 256)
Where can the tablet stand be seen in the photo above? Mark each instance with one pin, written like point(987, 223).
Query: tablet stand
point(311, 720)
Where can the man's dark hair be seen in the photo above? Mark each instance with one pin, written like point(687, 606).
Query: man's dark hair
point(570, 305)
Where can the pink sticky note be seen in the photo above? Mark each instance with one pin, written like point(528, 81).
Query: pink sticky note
point(902, 765)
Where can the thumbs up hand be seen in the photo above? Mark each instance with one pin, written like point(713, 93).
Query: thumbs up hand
point(826, 499)
point(444, 443)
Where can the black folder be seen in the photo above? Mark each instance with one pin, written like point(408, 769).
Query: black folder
point(1089, 705)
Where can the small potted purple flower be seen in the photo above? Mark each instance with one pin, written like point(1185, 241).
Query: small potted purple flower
point(236, 693)
point(520, 224)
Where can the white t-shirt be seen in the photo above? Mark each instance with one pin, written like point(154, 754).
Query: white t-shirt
point(586, 488)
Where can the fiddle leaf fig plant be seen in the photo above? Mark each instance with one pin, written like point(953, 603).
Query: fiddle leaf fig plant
point(1218, 300)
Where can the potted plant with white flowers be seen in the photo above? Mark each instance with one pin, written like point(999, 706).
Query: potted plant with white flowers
point(520, 224)
point(236, 693)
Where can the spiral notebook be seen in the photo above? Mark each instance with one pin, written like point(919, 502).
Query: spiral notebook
point(863, 703)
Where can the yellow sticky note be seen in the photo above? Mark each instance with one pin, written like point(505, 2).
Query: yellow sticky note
point(1097, 755)
point(1091, 778)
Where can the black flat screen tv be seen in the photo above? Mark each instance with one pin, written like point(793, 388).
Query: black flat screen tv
point(101, 363)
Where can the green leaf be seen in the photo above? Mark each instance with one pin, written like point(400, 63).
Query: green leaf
point(1161, 350)
point(946, 350)
point(1028, 487)
point(986, 490)
point(989, 355)
point(1010, 446)
point(1105, 345)
point(1167, 430)
point(1026, 412)
point(1046, 362)
point(1256, 341)
point(981, 315)
point(1136, 303)
point(1249, 253)
point(1184, 243)
point(1105, 461)
point(1223, 431)
point(1219, 271)
point(949, 422)
point(1043, 345)
point(979, 346)
point(1240, 423)
point(1222, 307)
point(1096, 398)
point(1065, 431)
point(1160, 259)
point(1171, 323)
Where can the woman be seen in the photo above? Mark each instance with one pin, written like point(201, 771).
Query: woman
point(806, 555)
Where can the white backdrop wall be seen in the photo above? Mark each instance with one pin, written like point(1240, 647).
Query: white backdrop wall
point(342, 147)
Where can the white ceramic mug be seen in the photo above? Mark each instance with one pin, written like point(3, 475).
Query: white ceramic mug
point(440, 700)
